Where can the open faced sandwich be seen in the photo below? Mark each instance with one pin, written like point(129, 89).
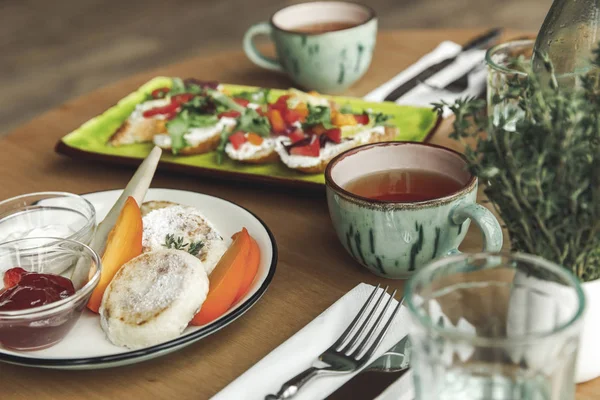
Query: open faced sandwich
point(166, 267)
point(304, 131)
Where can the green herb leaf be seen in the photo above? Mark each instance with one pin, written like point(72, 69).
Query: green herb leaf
point(195, 247)
point(318, 115)
point(198, 103)
point(542, 170)
point(251, 121)
point(346, 109)
point(178, 86)
point(202, 120)
point(172, 242)
point(224, 100)
point(260, 96)
point(379, 119)
point(177, 128)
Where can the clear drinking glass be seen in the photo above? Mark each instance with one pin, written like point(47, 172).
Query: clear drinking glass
point(494, 327)
point(501, 70)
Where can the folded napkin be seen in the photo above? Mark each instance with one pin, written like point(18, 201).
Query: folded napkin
point(423, 95)
point(298, 352)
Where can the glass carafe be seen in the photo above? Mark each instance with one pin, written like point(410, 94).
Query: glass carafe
point(569, 35)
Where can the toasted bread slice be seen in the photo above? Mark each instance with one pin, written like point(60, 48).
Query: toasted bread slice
point(189, 225)
point(152, 298)
point(319, 166)
point(137, 131)
point(252, 154)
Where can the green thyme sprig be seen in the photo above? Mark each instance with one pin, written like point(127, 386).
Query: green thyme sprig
point(172, 242)
point(543, 176)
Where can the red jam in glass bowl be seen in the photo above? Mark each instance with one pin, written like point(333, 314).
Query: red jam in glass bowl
point(23, 289)
point(38, 309)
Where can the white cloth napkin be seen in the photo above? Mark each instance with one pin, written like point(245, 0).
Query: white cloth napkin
point(422, 95)
point(298, 352)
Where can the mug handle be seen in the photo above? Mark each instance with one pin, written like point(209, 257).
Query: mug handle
point(484, 219)
point(252, 52)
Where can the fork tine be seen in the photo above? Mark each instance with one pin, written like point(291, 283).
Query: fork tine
point(369, 353)
point(373, 329)
point(356, 337)
point(354, 322)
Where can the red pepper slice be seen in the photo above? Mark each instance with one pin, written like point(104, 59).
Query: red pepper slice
point(311, 150)
point(291, 116)
point(237, 139)
point(241, 102)
point(296, 136)
point(230, 114)
point(168, 109)
point(280, 104)
point(160, 93)
point(335, 135)
point(362, 119)
point(182, 98)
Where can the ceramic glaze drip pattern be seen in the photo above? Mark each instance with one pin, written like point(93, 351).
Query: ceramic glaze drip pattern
point(394, 243)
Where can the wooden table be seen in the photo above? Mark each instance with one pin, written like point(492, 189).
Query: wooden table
point(313, 270)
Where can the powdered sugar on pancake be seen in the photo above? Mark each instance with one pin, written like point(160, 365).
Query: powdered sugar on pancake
point(188, 223)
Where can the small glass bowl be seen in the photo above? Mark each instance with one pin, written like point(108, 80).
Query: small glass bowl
point(41, 327)
point(47, 214)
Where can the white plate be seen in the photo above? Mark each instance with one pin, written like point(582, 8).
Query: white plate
point(86, 346)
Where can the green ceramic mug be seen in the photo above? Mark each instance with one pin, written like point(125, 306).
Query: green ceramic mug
point(310, 51)
point(391, 239)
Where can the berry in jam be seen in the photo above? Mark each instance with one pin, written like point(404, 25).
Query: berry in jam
point(24, 290)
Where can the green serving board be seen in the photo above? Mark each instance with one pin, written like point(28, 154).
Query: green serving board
point(89, 141)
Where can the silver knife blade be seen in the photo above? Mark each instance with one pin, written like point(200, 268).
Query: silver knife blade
point(478, 42)
point(397, 358)
point(370, 382)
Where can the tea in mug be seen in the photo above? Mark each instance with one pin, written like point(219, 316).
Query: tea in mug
point(404, 185)
point(322, 27)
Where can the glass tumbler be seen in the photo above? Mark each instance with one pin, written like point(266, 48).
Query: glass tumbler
point(501, 70)
point(494, 326)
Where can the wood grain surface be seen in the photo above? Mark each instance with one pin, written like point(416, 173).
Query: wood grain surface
point(313, 270)
point(55, 50)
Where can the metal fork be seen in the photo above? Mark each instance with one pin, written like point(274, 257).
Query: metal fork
point(345, 356)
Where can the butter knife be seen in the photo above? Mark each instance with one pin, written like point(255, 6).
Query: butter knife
point(479, 42)
point(370, 382)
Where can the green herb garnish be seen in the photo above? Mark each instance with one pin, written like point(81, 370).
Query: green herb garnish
point(183, 122)
point(195, 248)
point(227, 102)
point(172, 242)
point(346, 109)
point(177, 128)
point(260, 96)
point(541, 164)
point(318, 115)
point(379, 119)
point(251, 121)
point(178, 87)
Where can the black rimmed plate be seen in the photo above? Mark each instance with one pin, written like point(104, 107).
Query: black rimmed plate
point(86, 346)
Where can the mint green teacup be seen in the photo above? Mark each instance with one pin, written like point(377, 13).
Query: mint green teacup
point(317, 59)
point(391, 239)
